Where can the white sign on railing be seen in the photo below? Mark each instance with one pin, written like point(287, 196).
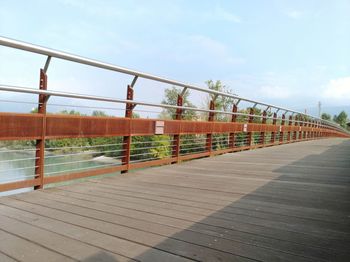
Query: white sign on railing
point(159, 128)
point(245, 128)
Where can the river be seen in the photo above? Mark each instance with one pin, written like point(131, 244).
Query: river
point(16, 166)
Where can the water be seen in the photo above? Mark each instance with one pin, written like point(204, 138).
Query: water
point(18, 166)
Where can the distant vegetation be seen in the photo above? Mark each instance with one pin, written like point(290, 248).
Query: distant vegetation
point(341, 118)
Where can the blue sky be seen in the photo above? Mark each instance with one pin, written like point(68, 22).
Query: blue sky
point(290, 53)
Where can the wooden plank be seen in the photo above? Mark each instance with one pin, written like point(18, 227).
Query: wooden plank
point(19, 184)
point(240, 220)
point(6, 258)
point(145, 239)
point(167, 228)
point(24, 250)
point(209, 201)
point(66, 246)
point(106, 241)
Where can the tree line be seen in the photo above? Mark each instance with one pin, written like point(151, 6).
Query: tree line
point(341, 118)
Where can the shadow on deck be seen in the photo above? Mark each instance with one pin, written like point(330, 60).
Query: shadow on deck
point(300, 215)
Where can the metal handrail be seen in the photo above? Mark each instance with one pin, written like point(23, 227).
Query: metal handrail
point(135, 102)
point(95, 63)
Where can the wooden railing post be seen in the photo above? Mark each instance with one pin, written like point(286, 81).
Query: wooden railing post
point(209, 141)
point(233, 120)
point(301, 128)
point(250, 120)
point(176, 138)
point(308, 132)
point(282, 132)
point(312, 129)
point(127, 139)
point(290, 122)
point(273, 134)
point(263, 121)
point(40, 143)
point(295, 132)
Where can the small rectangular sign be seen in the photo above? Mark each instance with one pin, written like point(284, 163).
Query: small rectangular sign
point(245, 128)
point(159, 128)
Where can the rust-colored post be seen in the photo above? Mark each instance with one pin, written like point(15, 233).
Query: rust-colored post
point(233, 120)
point(176, 142)
point(295, 132)
point(301, 128)
point(250, 120)
point(290, 124)
point(127, 139)
point(40, 143)
point(306, 124)
point(273, 134)
point(310, 129)
point(210, 119)
point(281, 132)
point(263, 121)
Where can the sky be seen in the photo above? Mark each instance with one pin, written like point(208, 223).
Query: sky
point(288, 53)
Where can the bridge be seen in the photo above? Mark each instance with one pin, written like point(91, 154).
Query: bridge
point(264, 184)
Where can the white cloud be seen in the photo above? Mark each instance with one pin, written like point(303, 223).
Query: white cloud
point(275, 92)
point(294, 14)
point(338, 89)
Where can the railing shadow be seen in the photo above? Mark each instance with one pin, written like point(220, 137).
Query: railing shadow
point(302, 214)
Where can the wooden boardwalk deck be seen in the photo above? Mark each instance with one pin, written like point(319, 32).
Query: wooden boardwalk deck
point(284, 203)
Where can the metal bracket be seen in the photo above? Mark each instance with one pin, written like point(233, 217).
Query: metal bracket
point(47, 98)
point(47, 63)
point(183, 91)
point(134, 81)
point(238, 100)
point(277, 110)
point(267, 108)
point(286, 112)
point(254, 106)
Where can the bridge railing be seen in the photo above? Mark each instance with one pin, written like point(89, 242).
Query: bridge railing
point(133, 142)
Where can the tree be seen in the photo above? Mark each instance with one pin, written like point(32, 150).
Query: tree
point(222, 103)
point(326, 116)
point(98, 113)
point(170, 98)
point(341, 119)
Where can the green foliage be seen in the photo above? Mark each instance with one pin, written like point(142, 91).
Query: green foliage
point(341, 119)
point(71, 112)
point(161, 146)
point(34, 110)
point(192, 143)
point(99, 113)
point(170, 98)
point(222, 103)
point(326, 116)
